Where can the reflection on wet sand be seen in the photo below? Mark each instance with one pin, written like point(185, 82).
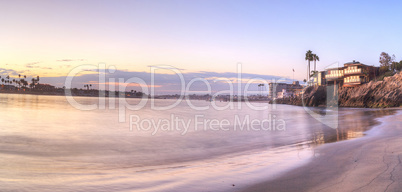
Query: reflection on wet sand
point(352, 124)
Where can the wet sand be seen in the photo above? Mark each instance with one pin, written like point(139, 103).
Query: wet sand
point(371, 163)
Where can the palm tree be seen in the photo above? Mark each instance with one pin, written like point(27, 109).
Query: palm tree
point(25, 83)
point(315, 58)
point(33, 83)
point(309, 57)
point(37, 81)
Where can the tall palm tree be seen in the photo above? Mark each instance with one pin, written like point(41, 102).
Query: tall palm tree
point(315, 58)
point(309, 57)
point(33, 84)
point(25, 83)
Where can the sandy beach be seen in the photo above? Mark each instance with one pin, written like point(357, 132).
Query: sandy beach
point(371, 163)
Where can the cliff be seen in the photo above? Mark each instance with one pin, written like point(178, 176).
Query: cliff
point(386, 93)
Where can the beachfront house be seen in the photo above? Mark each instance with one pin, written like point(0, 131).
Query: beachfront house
point(334, 76)
point(276, 88)
point(351, 74)
point(318, 79)
point(285, 93)
point(45, 87)
point(356, 73)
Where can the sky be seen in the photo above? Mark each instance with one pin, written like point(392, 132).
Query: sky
point(208, 38)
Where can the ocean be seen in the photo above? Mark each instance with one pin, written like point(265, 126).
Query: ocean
point(47, 144)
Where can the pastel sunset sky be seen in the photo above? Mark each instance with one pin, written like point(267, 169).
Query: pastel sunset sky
point(270, 38)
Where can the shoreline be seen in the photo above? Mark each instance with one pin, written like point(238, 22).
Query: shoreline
point(372, 162)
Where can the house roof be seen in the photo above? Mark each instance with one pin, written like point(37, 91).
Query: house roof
point(334, 68)
point(353, 62)
point(356, 63)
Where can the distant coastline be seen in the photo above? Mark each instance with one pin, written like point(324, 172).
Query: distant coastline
point(139, 95)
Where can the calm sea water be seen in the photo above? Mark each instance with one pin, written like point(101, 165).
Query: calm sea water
point(48, 145)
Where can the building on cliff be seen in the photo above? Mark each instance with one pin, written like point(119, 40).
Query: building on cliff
point(351, 74)
point(356, 73)
point(318, 79)
point(334, 76)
